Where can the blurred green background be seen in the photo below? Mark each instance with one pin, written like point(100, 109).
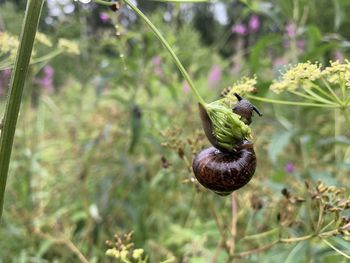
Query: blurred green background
point(106, 137)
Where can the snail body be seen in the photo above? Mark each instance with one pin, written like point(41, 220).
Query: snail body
point(231, 162)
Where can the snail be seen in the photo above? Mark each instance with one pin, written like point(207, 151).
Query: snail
point(231, 162)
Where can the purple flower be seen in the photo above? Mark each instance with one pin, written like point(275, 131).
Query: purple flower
point(338, 56)
point(214, 76)
point(104, 17)
point(240, 29)
point(157, 63)
point(5, 76)
point(291, 30)
point(157, 60)
point(185, 87)
point(46, 81)
point(278, 62)
point(254, 23)
point(289, 168)
point(301, 44)
point(7, 73)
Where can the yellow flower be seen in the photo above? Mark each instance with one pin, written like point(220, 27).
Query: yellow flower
point(8, 45)
point(279, 87)
point(43, 39)
point(338, 73)
point(243, 86)
point(68, 46)
point(113, 252)
point(137, 253)
point(302, 74)
point(124, 254)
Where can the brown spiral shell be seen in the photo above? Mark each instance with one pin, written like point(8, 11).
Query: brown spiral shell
point(224, 172)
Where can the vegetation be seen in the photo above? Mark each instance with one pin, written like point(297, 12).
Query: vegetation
point(101, 164)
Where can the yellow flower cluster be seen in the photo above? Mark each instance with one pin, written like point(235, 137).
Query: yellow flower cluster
point(338, 73)
point(300, 74)
point(43, 39)
point(123, 254)
point(8, 46)
point(242, 87)
point(68, 46)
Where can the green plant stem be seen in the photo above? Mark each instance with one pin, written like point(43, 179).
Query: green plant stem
point(334, 248)
point(311, 97)
point(29, 27)
point(261, 235)
point(101, 2)
point(170, 50)
point(43, 58)
point(345, 112)
point(320, 98)
point(295, 103)
point(326, 94)
point(279, 241)
point(332, 92)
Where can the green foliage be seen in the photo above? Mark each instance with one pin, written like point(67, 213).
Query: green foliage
point(109, 149)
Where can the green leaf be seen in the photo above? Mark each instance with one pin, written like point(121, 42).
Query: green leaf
point(297, 253)
point(278, 143)
point(136, 127)
point(259, 50)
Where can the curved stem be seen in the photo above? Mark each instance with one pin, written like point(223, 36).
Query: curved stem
point(169, 49)
point(30, 24)
point(295, 103)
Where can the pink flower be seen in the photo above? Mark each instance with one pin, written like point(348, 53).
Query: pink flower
point(5, 76)
point(214, 76)
point(156, 60)
point(46, 81)
point(279, 62)
point(185, 87)
point(157, 64)
point(301, 44)
point(104, 17)
point(338, 56)
point(291, 30)
point(254, 23)
point(289, 168)
point(240, 29)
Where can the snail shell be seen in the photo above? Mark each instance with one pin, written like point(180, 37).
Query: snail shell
point(224, 172)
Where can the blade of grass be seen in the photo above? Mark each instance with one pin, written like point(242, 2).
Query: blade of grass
point(29, 27)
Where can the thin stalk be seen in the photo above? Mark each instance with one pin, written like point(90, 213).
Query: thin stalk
point(261, 235)
point(43, 58)
point(345, 112)
point(342, 85)
point(320, 98)
point(29, 27)
point(169, 49)
point(332, 92)
point(310, 97)
point(326, 94)
point(101, 2)
point(295, 103)
point(334, 248)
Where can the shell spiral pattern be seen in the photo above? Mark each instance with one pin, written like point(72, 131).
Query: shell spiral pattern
point(224, 172)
